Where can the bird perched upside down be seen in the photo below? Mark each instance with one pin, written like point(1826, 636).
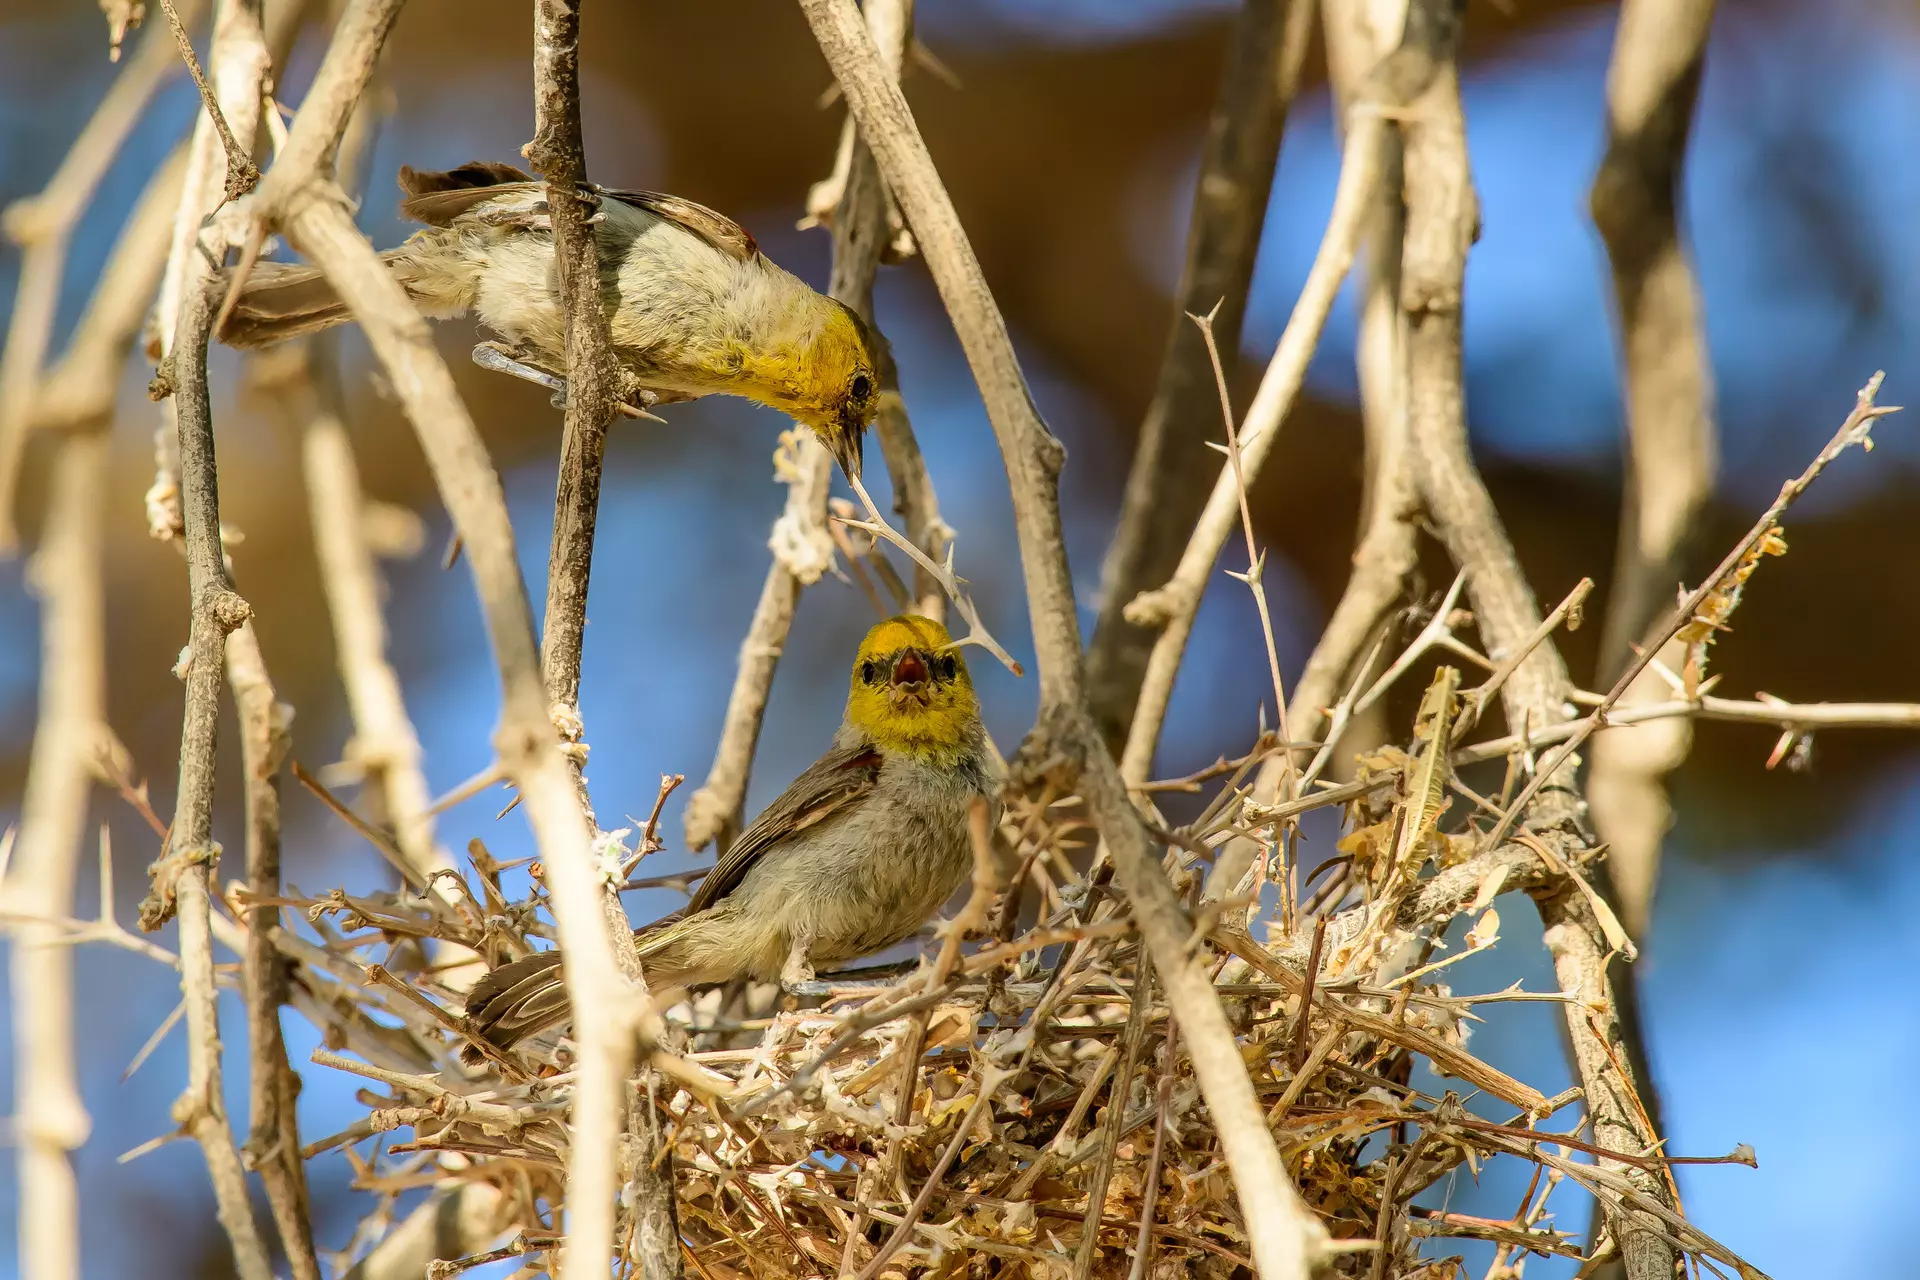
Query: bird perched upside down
point(695, 308)
point(858, 853)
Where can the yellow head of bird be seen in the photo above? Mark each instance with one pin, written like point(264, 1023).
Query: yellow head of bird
point(825, 372)
point(911, 693)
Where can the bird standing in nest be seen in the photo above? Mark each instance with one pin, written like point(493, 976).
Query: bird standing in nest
point(858, 853)
point(694, 307)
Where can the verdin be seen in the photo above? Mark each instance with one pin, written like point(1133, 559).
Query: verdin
point(695, 308)
point(852, 858)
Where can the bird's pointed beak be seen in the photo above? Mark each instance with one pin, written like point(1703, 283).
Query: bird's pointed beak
point(846, 446)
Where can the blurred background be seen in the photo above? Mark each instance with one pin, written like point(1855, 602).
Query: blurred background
point(1069, 138)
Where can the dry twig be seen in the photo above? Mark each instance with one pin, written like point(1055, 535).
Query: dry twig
point(51, 1118)
point(1672, 451)
point(1167, 482)
point(182, 876)
point(604, 983)
point(1286, 1238)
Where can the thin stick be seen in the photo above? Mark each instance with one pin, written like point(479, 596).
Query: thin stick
point(1286, 1237)
point(1173, 606)
point(379, 839)
point(273, 1142)
point(1357, 39)
point(954, 586)
point(1168, 480)
point(1297, 1052)
point(987, 1080)
point(181, 878)
point(974, 916)
point(242, 176)
point(715, 811)
point(1133, 1037)
point(1673, 447)
point(50, 1117)
point(42, 225)
point(592, 920)
point(1568, 610)
point(1254, 577)
point(1855, 430)
point(1150, 1197)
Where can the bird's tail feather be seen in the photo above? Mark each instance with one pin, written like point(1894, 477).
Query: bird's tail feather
point(285, 300)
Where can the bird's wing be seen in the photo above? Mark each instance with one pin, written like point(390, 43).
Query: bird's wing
point(830, 786)
point(717, 229)
point(437, 197)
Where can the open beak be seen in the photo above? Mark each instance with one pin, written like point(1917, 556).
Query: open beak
point(846, 446)
point(911, 678)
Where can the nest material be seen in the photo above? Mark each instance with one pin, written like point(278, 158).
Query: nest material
point(1048, 1070)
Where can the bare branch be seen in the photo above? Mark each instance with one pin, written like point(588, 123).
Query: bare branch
point(1286, 1238)
point(273, 1145)
point(1167, 483)
point(384, 743)
point(1672, 447)
point(1172, 607)
point(42, 225)
point(1442, 220)
point(240, 63)
point(182, 876)
point(604, 985)
point(241, 176)
point(596, 380)
point(50, 1117)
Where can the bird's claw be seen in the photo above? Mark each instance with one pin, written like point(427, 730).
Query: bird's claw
point(502, 359)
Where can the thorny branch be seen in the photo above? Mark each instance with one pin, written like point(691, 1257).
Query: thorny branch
point(1442, 221)
point(1390, 86)
point(1671, 447)
point(182, 876)
point(604, 983)
point(1356, 41)
point(1286, 1238)
point(1166, 484)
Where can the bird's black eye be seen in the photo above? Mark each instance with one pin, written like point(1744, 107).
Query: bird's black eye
point(862, 385)
point(866, 672)
point(948, 666)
